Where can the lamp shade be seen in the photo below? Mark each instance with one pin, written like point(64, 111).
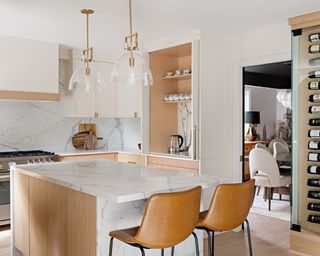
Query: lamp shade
point(136, 75)
point(252, 117)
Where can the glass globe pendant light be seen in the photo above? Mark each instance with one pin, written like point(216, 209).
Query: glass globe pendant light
point(85, 77)
point(131, 68)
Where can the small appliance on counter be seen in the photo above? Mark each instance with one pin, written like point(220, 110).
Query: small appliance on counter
point(175, 144)
point(17, 157)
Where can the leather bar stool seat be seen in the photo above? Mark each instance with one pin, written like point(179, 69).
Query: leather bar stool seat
point(169, 219)
point(228, 210)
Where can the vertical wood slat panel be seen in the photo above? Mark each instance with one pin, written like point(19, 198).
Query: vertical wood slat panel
point(52, 220)
point(38, 217)
point(81, 224)
point(57, 210)
point(21, 212)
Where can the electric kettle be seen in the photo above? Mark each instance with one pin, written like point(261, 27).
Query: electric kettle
point(175, 143)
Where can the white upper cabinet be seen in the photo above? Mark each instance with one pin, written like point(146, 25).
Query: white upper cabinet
point(100, 103)
point(128, 101)
point(115, 101)
point(29, 69)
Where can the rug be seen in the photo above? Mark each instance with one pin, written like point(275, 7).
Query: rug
point(280, 209)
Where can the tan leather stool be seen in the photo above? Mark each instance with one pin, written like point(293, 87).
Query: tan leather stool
point(228, 210)
point(169, 219)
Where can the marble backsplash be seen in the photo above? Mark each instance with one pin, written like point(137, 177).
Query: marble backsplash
point(42, 125)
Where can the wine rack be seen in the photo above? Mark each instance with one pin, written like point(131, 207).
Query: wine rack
point(308, 126)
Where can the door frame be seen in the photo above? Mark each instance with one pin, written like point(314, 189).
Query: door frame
point(237, 146)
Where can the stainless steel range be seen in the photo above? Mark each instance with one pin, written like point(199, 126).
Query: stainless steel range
point(17, 157)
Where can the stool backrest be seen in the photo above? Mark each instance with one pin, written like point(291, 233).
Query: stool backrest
point(169, 218)
point(261, 161)
point(229, 206)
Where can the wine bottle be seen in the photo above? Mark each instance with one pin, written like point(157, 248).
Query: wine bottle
point(314, 61)
point(314, 37)
point(314, 219)
point(313, 183)
point(314, 74)
point(315, 48)
point(314, 194)
point(312, 169)
point(313, 144)
point(314, 98)
point(314, 122)
point(314, 85)
point(314, 133)
point(314, 207)
point(315, 157)
point(314, 109)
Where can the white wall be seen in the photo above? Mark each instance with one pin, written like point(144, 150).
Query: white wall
point(271, 111)
point(264, 100)
point(266, 45)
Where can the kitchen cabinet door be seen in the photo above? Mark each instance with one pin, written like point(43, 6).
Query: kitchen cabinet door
point(98, 103)
point(28, 69)
point(105, 99)
point(128, 101)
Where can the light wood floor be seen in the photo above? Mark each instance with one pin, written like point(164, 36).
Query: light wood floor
point(270, 236)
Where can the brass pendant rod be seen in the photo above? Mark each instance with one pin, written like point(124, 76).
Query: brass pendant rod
point(131, 60)
point(87, 29)
point(130, 15)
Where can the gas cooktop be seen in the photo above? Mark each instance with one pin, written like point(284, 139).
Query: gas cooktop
point(13, 154)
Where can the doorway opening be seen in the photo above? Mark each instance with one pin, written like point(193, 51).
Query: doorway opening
point(267, 125)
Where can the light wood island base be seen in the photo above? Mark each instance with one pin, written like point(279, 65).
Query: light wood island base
point(52, 220)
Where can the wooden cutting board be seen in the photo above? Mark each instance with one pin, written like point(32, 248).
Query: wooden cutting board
point(78, 139)
point(88, 127)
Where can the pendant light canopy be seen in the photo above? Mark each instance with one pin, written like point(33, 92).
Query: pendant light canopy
point(85, 77)
point(131, 68)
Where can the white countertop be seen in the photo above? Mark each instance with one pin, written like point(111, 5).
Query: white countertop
point(115, 181)
point(76, 152)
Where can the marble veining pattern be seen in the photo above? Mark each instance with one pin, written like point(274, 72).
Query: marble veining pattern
point(115, 181)
point(43, 125)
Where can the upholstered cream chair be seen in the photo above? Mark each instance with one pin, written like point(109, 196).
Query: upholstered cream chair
point(264, 169)
point(281, 152)
point(283, 142)
point(259, 145)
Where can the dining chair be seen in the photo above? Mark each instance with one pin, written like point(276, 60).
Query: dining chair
point(281, 152)
point(169, 219)
point(264, 169)
point(279, 140)
point(228, 210)
point(259, 145)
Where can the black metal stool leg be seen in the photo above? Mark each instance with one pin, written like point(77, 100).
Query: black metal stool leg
point(142, 251)
point(110, 246)
point(197, 243)
point(209, 241)
point(212, 243)
point(172, 251)
point(249, 237)
point(162, 252)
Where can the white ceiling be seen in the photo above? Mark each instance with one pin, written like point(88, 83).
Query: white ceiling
point(61, 21)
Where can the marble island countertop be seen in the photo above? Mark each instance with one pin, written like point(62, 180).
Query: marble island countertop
point(115, 181)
